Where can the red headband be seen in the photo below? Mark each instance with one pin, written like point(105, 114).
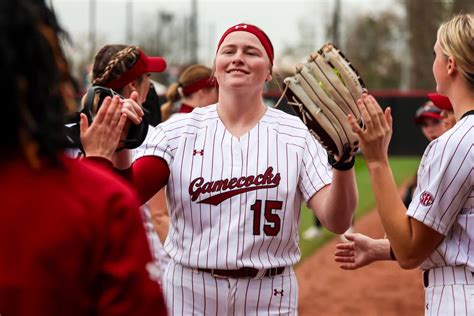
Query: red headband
point(143, 65)
point(207, 82)
point(262, 37)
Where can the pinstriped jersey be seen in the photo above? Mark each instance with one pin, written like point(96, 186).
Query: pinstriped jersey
point(235, 202)
point(444, 198)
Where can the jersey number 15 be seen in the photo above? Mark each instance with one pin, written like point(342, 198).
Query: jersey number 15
point(272, 224)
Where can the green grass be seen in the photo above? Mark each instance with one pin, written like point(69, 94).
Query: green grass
point(403, 168)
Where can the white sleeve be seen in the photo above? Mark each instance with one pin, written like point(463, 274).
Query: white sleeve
point(315, 172)
point(155, 144)
point(444, 181)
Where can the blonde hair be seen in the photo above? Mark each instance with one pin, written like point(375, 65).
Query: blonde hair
point(189, 76)
point(456, 39)
point(112, 61)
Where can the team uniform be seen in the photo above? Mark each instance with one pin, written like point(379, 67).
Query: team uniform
point(72, 243)
point(234, 206)
point(444, 201)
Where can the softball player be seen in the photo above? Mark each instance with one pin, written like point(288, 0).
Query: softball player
point(435, 232)
point(236, 175)
point(195, 88)
point(126, 70)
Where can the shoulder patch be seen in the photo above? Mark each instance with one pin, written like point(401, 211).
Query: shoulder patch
point(426, 198)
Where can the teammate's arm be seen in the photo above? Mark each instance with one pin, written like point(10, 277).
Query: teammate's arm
point(335, 204)
point(159, 214)
point(412, 241)
point(360, 251)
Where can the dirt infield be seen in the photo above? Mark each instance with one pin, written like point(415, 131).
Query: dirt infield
point(382, 288)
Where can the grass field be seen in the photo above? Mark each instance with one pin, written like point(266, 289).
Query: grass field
point(403, 168)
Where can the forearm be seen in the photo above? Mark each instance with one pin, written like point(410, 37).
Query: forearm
point(392, 211)
point(161, 226)
point(340, 201)
point(122, 159)
point(159, 214)
point(381, 250)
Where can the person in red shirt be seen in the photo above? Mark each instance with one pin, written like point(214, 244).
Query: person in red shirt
point(72, 240)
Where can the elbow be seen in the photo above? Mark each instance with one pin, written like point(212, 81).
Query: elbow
point(339, 227)
point(409, 262)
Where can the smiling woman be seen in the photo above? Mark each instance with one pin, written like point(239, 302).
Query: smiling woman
point(236, 175)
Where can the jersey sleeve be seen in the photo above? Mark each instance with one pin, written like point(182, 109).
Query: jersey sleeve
point(315, 172)
point(126, 283)
point(156, 144)
point(444, 182)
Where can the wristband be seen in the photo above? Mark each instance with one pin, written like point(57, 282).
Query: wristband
point(339, 165)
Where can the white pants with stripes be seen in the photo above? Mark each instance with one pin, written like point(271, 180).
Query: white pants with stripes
point(191, 292)
point(450, 291)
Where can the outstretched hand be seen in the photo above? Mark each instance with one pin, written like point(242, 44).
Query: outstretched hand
point(102, 137)
point(360, 251)
point(375, 137)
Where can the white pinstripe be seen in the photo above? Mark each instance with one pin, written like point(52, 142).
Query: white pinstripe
point(444, 201)
point(276, 165)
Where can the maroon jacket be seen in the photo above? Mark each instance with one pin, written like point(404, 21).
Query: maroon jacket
point(72, 242)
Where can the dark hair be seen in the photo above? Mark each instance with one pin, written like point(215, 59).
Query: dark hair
point(33, 70)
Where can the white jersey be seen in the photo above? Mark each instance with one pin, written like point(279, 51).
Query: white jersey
point(444, 198)
point(235, 202)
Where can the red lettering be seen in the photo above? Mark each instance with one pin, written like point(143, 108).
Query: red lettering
point(195, 192)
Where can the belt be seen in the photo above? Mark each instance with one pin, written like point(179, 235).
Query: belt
point(243, 272)
point(447, 276)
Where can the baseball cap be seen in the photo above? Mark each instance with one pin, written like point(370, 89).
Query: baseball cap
point(255, 30)
point(143, 65)
point(440, 101)
point(427, 111)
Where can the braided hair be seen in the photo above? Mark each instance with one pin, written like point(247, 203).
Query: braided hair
point(112, 61)
point(33, 68)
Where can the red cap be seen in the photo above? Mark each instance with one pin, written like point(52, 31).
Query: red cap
point(143, 65)
point(262, 37)
point(427, 111)
point(440, 101)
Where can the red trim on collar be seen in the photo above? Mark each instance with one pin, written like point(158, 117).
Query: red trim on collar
point(185, 108)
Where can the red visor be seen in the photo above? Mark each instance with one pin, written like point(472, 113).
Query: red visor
point(440, 101)
point(262, 37)
point(143, 65)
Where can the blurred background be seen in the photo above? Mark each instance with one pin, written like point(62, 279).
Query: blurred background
point(390, 42)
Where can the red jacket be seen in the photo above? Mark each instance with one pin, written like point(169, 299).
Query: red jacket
point(72, 242)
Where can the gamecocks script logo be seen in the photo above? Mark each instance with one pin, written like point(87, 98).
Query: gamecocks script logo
point(426, 198)
point(234, 186)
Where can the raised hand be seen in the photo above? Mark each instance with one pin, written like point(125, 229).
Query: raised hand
point(101, 138)
point(375, 137)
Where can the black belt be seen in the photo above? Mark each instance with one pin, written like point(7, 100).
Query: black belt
point(426, 278)
point(243, 272)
